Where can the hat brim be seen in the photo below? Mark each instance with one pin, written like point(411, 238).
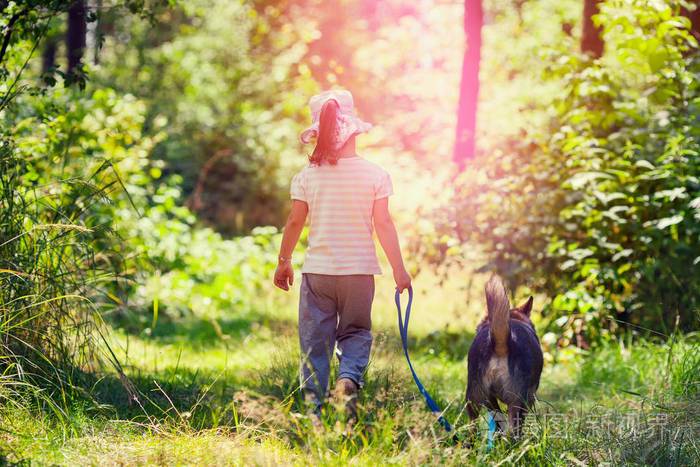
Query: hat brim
point(352, 125)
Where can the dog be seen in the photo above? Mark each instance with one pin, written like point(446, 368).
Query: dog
point(505, 360)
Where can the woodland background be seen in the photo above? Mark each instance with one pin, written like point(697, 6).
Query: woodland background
point(146, 149)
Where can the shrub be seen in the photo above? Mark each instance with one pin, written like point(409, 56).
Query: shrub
point(63, 161)
point(599, 209)
point(228, 87)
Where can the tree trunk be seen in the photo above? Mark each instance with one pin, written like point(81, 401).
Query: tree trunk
point(77, 31)
point(8, 30)
point(465, 137)
point(694, 17)
point(97, 33)
point(591, 36)
point(48, 55)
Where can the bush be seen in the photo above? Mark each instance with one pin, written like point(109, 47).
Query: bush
point(90, 222)
point(92, 229)
point(64, 161)
point(600, 209)
point(228, 92)
point(188, 269)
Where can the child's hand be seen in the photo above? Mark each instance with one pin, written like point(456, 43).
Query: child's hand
point(284, 275)
point(402, 279)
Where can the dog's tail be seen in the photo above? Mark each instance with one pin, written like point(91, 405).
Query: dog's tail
point(498, 307)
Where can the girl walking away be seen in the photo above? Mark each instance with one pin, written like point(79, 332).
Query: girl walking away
point(345, 198)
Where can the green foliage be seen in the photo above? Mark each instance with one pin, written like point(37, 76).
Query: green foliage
point(227, 92)
point(92, 225)
point(191, 117)
point(185, 269)
point(25, 24)
point(212, 401)
point(63, 158)
point(390, 55)
point(599, 208)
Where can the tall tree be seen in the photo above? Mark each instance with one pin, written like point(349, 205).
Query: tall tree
point(97, 32)
point(591, 36)
point(693, 14)
point(48, 55)
point(9, 27)
point(465, 136)
point(76, 35)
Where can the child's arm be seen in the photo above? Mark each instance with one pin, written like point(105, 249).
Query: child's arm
point(386, 232)
point(284, 275)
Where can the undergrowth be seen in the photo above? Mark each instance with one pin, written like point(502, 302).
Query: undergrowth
point(626, 403)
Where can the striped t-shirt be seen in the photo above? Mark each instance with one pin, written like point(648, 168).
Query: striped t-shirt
point(340, 199)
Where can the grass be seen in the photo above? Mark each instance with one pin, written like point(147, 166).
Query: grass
point(221, 390)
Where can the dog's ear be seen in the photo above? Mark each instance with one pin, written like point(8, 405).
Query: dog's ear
point(526, 308)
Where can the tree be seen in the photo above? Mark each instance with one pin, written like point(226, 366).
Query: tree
point(693, 14)
point(77, 31)
point(465, 137)
point(591, 38)
point(9, 27)
point(48, 55)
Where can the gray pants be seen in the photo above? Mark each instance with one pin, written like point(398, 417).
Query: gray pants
point(334, 310)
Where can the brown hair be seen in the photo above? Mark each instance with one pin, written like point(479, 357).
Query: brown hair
point(325, 150)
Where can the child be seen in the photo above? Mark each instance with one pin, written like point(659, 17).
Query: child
point(344, 196)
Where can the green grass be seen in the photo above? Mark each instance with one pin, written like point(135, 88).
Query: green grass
point(221, 390)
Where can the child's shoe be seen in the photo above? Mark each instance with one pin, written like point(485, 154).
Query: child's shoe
point(345, 396)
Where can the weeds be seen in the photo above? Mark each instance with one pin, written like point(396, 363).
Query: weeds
point(51, 279)
point(251, 412)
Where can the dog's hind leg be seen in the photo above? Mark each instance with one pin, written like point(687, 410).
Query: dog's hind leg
point(516, 418)
point(473, 398)
point(497, 414)
point(472, 410)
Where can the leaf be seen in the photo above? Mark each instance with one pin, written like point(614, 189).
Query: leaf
point(645, 164)
point(582, 179)
point(672, 195)
point(605, 198)
point(622, 254)
point(581, 253)
point(657, 59)
point(624, 268)
point(661, 224)
point(656, 174)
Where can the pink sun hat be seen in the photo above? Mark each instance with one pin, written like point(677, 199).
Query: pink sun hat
point(348, 123)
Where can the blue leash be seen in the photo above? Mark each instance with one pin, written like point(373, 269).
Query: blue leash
point(403, 330)
point(492, 431)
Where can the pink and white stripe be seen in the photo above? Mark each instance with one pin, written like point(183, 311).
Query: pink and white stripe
point(340, 199)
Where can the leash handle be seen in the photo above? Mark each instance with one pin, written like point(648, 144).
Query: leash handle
point(403, 331)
